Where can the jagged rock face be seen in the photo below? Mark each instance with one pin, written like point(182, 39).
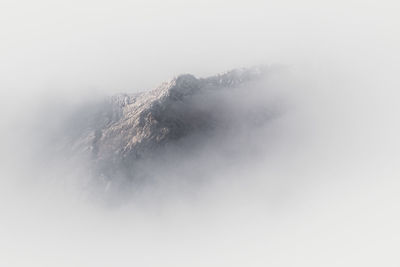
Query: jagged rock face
point(129, 127)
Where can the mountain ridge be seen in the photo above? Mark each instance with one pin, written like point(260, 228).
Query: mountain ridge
point(129, 127)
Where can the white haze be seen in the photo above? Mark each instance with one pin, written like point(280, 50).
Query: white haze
point(323, 191)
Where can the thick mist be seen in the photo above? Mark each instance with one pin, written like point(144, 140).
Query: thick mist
point(316, 185)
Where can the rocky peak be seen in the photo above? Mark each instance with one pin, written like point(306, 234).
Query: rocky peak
point(133, 126)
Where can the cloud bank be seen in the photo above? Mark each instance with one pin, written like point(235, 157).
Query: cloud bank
point(318, 186)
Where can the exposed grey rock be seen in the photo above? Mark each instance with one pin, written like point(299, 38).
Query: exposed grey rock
point(130, 127)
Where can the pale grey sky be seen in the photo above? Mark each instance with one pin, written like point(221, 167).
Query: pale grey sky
point(325, 194)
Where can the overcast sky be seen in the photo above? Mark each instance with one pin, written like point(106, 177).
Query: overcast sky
point(127, 44)
point(324, 194)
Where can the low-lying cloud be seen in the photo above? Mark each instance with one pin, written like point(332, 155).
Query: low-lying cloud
point(317, 185)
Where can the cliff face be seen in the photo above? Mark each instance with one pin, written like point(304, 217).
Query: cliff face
point(130, 127)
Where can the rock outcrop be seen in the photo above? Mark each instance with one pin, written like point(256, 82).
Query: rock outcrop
point(130, 127)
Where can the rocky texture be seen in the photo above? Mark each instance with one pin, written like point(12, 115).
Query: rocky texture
point(129, 127)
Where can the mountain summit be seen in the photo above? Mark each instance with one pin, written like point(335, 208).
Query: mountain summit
point(127, 128)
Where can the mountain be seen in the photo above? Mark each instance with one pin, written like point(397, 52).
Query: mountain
point(128, 128)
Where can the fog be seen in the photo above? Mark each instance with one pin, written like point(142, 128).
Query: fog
point(317, 185)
